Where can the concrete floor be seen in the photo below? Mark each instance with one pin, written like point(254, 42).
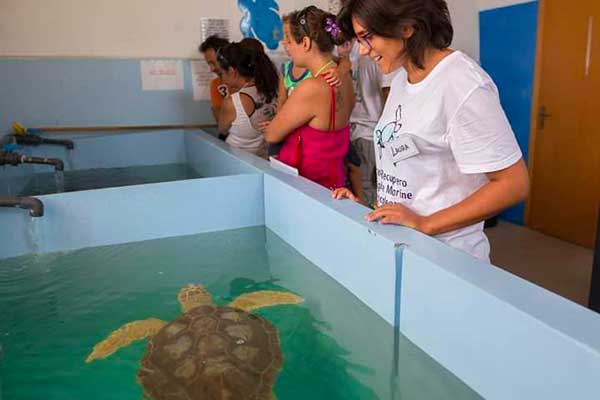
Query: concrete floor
point(556, 265)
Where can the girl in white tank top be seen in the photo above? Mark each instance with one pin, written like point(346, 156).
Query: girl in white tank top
point(253, 81)
point(244, 132)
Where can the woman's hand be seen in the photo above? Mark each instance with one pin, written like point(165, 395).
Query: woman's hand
point(262, 126)
point(399, 215)
point(332, 77)
point(345, 193)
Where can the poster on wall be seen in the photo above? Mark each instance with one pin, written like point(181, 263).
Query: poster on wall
point(162, 74)
point(201, 77)
point(214, 26)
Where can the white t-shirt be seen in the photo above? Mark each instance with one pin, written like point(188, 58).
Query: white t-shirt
point(436, 140)
point(368, 81)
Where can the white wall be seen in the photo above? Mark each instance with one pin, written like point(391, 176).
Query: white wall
point(114, 28)
point(488, 4)
point(465, 20)
point(148, 28)
point(152, 28)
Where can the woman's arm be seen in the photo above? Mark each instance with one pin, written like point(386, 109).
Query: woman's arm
point(297, 111)
point(504, 189)
point(281, 93)
point(355, 178)
point(227, 116)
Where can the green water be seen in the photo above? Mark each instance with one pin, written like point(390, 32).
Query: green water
point(55, 307)
point(46, 183)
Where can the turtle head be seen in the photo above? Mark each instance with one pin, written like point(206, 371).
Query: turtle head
point(193, 296)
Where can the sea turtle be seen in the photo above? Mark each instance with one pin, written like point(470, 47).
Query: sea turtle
point(209, 352)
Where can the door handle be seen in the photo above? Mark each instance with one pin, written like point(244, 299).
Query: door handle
point(542, 115)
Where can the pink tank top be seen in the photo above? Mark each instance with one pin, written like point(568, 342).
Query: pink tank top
point(317, 154)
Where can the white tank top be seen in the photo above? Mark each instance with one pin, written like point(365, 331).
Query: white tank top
point(244, 133)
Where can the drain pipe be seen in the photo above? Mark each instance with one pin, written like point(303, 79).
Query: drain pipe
point(36, 140)
point(15, 159)
point(35, 206)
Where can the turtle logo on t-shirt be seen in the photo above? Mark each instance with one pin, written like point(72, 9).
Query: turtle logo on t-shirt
point(386, 133)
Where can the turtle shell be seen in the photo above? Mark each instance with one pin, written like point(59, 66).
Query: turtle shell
point(212, 353)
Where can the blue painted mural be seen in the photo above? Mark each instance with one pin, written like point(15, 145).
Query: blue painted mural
point(261, 21)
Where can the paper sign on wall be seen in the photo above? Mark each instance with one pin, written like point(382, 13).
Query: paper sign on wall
point(201, 77)
point(162, 74)
point(214, 26)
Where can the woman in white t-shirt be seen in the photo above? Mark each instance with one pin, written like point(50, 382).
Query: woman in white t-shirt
point(446, 155)
point(253, 80)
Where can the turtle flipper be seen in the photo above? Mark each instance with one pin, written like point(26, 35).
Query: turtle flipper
point(193, 296)
point(124, 336)
point(264, 298)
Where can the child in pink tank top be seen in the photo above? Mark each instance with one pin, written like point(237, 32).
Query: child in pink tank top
point(317, 152)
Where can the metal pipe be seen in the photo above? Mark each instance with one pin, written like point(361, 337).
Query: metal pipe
point(35, 206)
point(35, 140)
point(15, 159)
point(58, 164)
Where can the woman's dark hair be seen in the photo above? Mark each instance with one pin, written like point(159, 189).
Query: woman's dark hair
point(252, 64)
point(318, 25)
point(213, 42)
point(430, 20)
point(253, 44)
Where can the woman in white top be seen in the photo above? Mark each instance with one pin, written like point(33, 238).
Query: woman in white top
point(446, 156)
point(253, 80)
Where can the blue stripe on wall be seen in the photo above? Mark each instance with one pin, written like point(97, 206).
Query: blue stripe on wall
point(508, 42)
point(47, 92)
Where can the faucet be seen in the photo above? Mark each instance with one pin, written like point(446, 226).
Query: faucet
point(15, 159)
point(32, 136)
point(35, 206)
point(36, 140)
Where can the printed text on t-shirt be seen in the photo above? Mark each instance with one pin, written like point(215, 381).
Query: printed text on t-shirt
point(391, 188)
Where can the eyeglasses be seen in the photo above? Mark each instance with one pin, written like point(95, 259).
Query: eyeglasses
point(303, 19)
point(364, 41)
